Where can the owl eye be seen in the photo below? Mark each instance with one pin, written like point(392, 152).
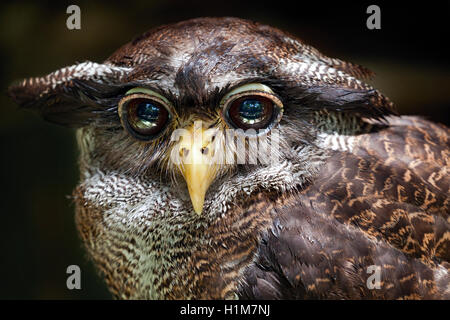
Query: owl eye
point(144, 113)
point(252, 106)
point(251, 112)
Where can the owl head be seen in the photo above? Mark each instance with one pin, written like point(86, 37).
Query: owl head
point(183, 126)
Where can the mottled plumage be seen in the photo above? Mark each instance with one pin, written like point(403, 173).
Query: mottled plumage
point(356, 185)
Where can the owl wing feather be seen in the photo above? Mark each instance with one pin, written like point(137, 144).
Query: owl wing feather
point(385, 205)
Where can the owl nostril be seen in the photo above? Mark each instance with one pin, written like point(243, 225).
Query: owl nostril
point(184, 152)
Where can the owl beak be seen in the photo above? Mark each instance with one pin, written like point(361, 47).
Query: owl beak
point(197, 165)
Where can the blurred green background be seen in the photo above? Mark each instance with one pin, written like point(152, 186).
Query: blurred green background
point(39, 160)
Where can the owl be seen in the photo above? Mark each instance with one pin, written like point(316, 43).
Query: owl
point(176, 200)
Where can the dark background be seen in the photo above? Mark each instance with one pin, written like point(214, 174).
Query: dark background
point(39, 160)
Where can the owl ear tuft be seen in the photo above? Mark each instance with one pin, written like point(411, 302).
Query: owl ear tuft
point(353, 69)
point(367, 103)
point(70, 96)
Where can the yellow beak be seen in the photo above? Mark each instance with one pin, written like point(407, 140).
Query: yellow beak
point(197, 166)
